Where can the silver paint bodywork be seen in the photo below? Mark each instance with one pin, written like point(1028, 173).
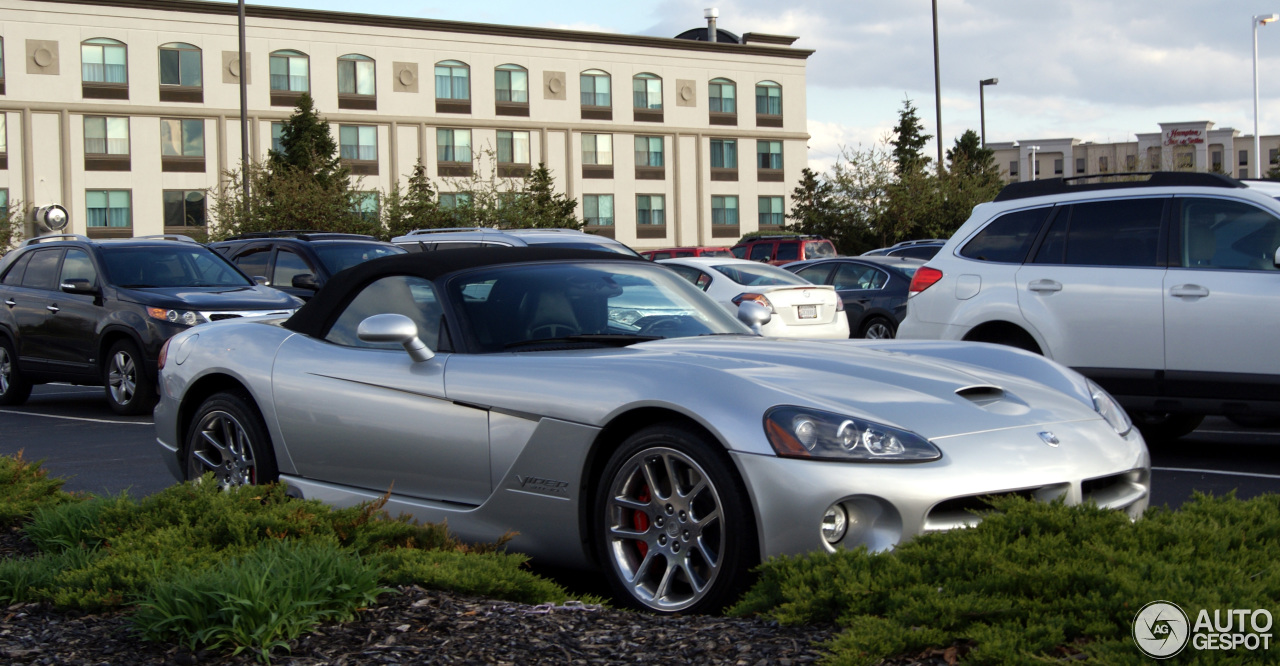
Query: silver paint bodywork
point(498, 443)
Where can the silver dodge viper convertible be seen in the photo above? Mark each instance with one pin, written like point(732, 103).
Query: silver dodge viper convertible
point(500, 390)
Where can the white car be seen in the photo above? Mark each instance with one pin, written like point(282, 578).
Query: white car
point(800, 308)
point(1164, 291)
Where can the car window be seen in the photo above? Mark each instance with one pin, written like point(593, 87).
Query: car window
point(463, 245)
point(289, 265)
point(42, 270)
point(761, 252)
point(661, 255)
point(739, 251)
point(1227, 235)
point(819, 249)
point(683, 253)
point(1122, 232)
point(816, 274)
point(410, 296)
point(78, 266)
point(853, 276)
point(694, 276)
point(758, 276)
point(169, 266)
point(14, 276)
point(788, 251)
point(340, 256)
point(1007, 238)
point(717, 253)
point(917, 251)
point(254, 261)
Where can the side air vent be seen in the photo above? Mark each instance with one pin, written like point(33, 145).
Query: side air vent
point(981, 395)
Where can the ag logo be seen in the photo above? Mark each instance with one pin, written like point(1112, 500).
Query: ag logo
point(1161, 629)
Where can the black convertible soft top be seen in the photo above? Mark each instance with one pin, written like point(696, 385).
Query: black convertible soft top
point(314, 317)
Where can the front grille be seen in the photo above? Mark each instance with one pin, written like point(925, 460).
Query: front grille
point(236, 314)
point(219, 316)
point(967, 510)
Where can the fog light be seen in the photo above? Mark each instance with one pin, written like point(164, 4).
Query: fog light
point(835, 522)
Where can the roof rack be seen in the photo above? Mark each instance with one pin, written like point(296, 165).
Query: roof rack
point(301, 234)
point(173, 237)
point(1047, 186)
point(540, 229)
point(41, 239)
point(922, 241)
point(419, 232)
point(784, 237)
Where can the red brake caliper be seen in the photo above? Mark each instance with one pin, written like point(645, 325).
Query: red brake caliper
point(641, 520)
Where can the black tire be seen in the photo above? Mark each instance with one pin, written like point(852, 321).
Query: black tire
point(228, 437)
point(14, 388)
point(1165, 426)
point(705, 565)
point(130, 389)
point(878, 328)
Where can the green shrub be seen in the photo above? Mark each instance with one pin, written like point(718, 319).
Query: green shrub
point(25, 486)
point(1034, 582)
point(276, 592)
point(493, 575)
point(61, 527)
point(30, 579)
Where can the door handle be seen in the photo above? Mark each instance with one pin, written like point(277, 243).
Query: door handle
point(1189, 290)
point(52, 308)
point(10, 302)
point(1045, 285)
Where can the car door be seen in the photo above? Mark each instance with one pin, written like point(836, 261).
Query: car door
point(288, 265)
point(72, 327)
point(762, 251)
point(31, 310)
point(253, 260)
point(366, 415)
point(857, 285)
point(1221, 296)
point(1093, 289)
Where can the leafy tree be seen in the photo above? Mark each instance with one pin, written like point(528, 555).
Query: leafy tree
point(909, 140)
point(307, 145)
point(861, 180)
point(12, 221)
point(815, 210)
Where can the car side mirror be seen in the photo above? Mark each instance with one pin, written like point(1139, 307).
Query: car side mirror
point(305, 281)
point(260, 280)
point(1275, 259)
point(78, 286)
point(754, 315)
point(395, 328)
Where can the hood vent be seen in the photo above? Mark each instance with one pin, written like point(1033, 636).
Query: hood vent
point(982, 394)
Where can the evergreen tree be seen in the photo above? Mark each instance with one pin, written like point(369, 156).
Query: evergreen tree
point(541, 206)
point(416, 207)
point(968, 156)
point(909, 140)
point(815, 210)
point(308, 146)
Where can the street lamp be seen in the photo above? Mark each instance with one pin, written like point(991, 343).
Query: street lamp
point(937, 82)
point(1262, 19)
point(982, 107)
point(1033, 160)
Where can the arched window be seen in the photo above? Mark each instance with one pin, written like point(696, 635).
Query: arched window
point(768, 99)
point(355, 75)
point(180, 65)
point(723, 96)
point(595, 88)
point(290, 71)
point(104, 60)
point(647, 91)
point(453, 80)
point(511, 84)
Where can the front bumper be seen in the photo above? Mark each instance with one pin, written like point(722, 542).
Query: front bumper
point(887, 503)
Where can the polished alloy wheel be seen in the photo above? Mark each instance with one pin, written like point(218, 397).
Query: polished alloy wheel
point(122, 378)
point(222, 446)
point(878, 331)
point(6, 370)
point(665, 529)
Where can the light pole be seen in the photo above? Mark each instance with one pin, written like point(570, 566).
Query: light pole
point(1033, 160)
point(1257, 156)
point(937, 83)
point(982, 107)
point(244, 116)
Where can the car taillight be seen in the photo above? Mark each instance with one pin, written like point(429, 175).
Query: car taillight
point(839, 303)
point(758, 298)
point(924, 278)
point(164, 354)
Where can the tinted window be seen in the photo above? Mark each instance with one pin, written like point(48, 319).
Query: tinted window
point(254, 261)
point(661, 255)
point(1124, 232)
point(337, 257)
point(759, 276)
point(788, 251)
point(761, 251)
point(42, 271)
point(78, 266)
point(14, 276)
point(716, 253)
point(920, 251)
point(854, 276)
point(816, 274)
point(143, 267)
point(696, 277)
point(412, 297)
point(1228, 235)
point(1007, 238)
point(288, 266)
point(739, 251)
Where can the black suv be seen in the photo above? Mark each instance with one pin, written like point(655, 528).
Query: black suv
point(300, 262)
point(97, 312)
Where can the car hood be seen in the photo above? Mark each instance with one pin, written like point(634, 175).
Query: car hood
point(212, 298)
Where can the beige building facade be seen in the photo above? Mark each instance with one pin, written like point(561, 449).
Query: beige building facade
point(126, 113)
point(1183, 146)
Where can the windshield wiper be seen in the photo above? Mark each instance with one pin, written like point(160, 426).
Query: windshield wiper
point(615, 339)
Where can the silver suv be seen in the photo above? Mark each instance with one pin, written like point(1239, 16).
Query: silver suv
point(457, 238)
point(1164, 290)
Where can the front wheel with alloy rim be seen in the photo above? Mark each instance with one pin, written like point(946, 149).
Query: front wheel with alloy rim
point(14, 388)
point(878, 328)
point(228, 438)
point(672, 522)
point(130, 390)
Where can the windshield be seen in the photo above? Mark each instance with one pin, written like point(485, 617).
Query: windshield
point(616, 248)
point(717, 253)
point(340, 256)
point(169, 266)
point(509, 306)
point(819, 249)
point(759, 275)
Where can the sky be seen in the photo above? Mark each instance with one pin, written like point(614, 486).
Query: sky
point(1096, 70)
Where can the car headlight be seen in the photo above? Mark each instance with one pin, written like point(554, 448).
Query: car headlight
point(798, 432)
point(1110, 410)
point(184, 317)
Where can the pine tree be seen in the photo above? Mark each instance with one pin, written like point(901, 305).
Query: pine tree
point(968, 156)
point(815, 210)
point(308, 146)
point(416, 207)
point(542, 206)
point(909, 140)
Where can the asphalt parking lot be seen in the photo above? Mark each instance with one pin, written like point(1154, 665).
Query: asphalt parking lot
point(73, 430)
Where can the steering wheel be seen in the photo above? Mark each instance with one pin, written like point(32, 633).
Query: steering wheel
point(546, 331)
point(661, 325)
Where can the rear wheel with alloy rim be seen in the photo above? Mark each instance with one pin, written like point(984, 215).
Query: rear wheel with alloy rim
point(673, 524)
point(130, 390)
point(14, 388)
point(228, 438)
point(878, 328)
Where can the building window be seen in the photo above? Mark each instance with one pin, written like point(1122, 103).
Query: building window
point(597, 210)
point(771, 214)
point(180, 75)
point(1273, 156)
point(4, 201)
point(649, 151)
point(724, 210)
point(597, 156)
point(365, 206)
point(453, 80)
point(724, 154)
point(769, 160)
point(1131, 162)
point(184, 208)
point(182, 144)
point(1057, 166)
point(768, 99)
point(4, 140)
point(104, 61)
point(651, 210)
point(356, 82)
point(455, 200)
point(290, 72)
point(724, 103)
point(595, 88)
point(277, 137)
point(1103, 164)
point(108, 209)
point(1080, 168)
point(358, 148)
point(511, 84)
point(513, 154)
point(1244, 173)
point(1036, 163)
point(1, 65)
point(453, 152)
point(1244, 158)
point(1186, 159)
point(1216, 159)
point(647, 92)
point(106, 144)
point(1013, 169)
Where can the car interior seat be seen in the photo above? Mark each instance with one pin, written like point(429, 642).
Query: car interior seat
point(549, 314)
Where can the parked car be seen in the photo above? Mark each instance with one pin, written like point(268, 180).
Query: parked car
point(681, 252)
point(801, 308)
point(491, 389)
point(1164, 290)
point(300, 262)
point(95, 313)
point(782, 249)
point(913, 249)
point(460, 238)
point(872, 289)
